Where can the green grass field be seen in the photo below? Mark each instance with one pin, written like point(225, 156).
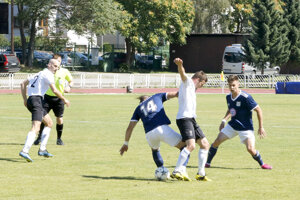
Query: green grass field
point(89, 165)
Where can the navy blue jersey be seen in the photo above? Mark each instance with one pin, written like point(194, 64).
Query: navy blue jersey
point(240, 109)
point(152, 112)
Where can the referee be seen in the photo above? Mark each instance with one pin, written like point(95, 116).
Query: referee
point(52, 102)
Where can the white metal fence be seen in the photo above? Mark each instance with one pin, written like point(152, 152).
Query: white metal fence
point(122, 80)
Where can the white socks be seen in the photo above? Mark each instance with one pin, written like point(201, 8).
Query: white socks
point(202, 158)
point(44, 138)
point(29, 141)
point(181, 159)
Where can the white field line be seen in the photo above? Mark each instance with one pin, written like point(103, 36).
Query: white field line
point(101, 122)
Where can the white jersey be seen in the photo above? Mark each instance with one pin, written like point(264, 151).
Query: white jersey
point(39, 84)
point(187, 99)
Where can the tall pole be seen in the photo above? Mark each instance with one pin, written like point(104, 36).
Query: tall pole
point(12, 27)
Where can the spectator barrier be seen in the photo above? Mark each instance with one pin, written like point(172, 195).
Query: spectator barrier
point(86, 80)
point(287, 88)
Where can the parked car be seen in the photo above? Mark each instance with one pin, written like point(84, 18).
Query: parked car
point(9, 63)
point(88, 59)
point(147, 61)
point(78, 58)
point(234, 62)
point(42, 58)
point(17, 52)
point(66, 60)
point(116, 57)
point(71, 58)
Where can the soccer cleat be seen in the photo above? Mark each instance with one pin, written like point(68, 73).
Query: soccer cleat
point(37, 141)
point(202, 178)
point(25, 156)
point(180, 176)
point(207, 165)
point(44, 153)
point(186, 177)
point(59, 142)
point(266, 166)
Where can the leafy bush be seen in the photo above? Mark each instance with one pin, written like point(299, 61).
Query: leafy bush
point(3, 41)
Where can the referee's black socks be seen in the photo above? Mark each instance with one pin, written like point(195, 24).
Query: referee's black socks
point(59, 129)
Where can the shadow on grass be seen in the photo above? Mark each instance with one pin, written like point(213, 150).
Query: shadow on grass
point(10, 159)
point(217, 167)
point(11, 144)
point(231, 168)
point(119, 178)
point(173, 167)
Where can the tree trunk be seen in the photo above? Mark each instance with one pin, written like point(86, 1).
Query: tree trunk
point(132, 55)
point(22, 34)
point(31, 42)
point(128, 51)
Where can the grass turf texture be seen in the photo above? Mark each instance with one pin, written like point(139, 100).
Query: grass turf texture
point(89, 165)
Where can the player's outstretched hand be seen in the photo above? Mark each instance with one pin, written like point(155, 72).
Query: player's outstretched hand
point(262, 133)
point(123, 149)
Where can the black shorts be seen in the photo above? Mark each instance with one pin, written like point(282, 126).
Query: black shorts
point(35, 106)
point(54, 103)
point(189, 129)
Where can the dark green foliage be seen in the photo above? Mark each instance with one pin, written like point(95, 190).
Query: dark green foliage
point(292, 19)
point(268, 40)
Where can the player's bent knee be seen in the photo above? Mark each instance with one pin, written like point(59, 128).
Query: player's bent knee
point(190, 147)
point(48, 123)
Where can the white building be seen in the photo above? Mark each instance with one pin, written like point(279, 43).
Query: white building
point(48, 26)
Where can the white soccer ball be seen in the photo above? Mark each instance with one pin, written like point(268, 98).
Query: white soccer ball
point(162, 174)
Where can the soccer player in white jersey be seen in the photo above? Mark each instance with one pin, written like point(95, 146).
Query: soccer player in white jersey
point(240, 107)
point(52, 102)
point(156, 125)
point(36, 87)
point(190, 131)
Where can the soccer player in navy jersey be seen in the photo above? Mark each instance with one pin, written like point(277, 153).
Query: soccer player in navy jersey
point(240, 107)
point(156, 125)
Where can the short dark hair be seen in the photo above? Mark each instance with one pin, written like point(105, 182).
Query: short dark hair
point(201, 75)
point(232, 78)
point(55, 56)
point(143, 98)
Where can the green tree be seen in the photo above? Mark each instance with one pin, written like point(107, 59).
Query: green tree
point(31, 11)
point(240, 14)
point(89, 16)
point(54, 43)
point(268, 38)
point(3, 41)
point(292, 19)
point(211, 16)
point(147, 23)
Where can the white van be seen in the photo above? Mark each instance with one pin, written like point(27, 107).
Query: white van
point(234, 62)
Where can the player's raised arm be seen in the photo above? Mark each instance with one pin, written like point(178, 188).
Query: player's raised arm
point(261, 130)
point(128, 133)
point(180, 68)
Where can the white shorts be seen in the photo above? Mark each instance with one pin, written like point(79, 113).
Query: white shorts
point(162, 133)
point(230, 133)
